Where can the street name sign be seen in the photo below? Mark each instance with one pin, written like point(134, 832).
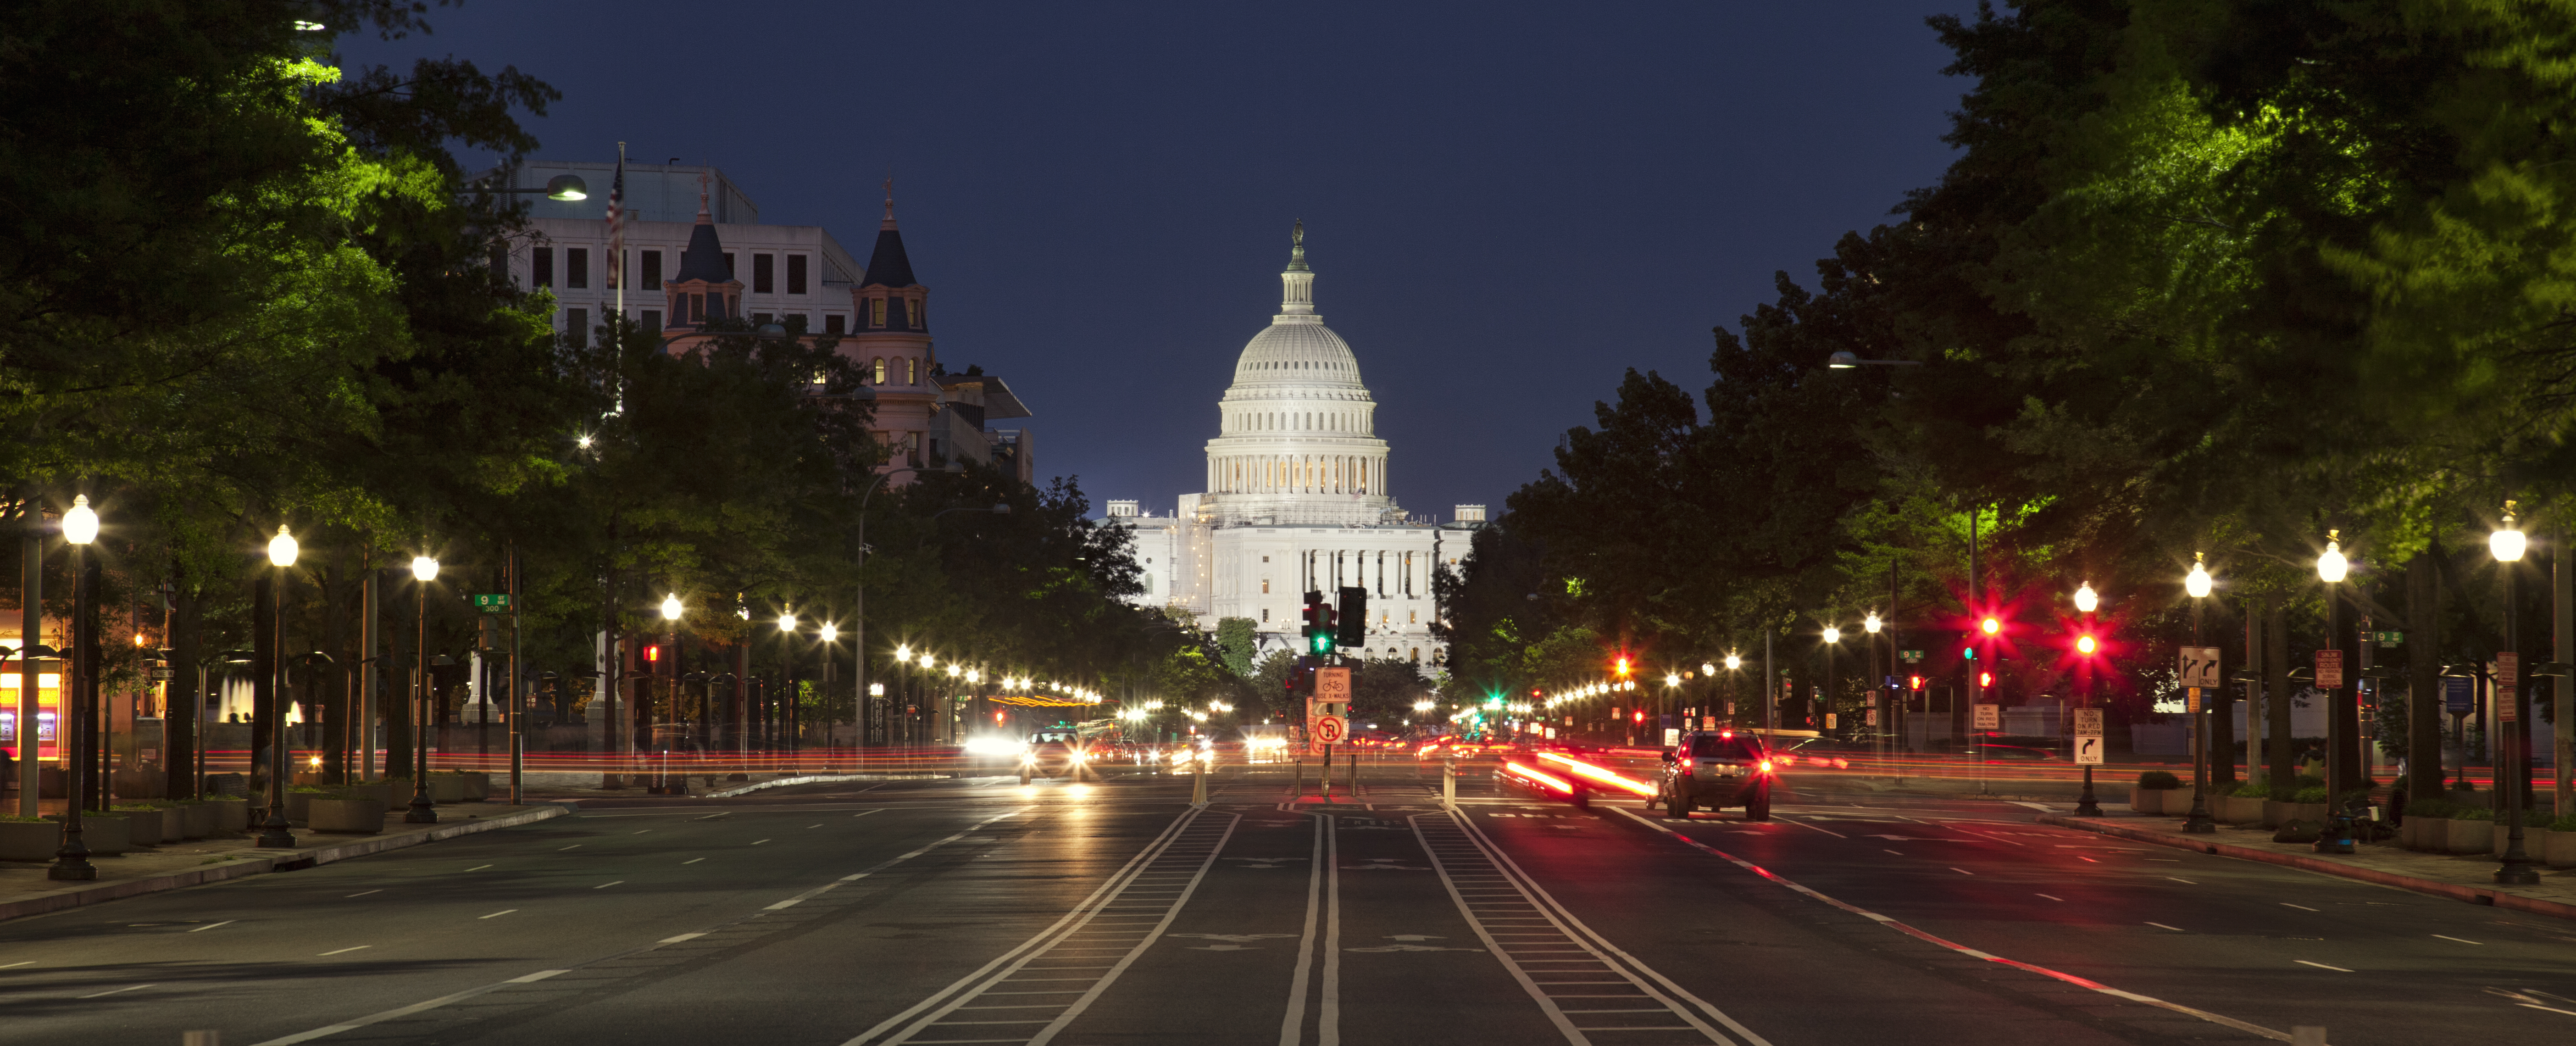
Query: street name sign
point(2385, 638)
point(492, 602)
point(2200, 667)
point(1912, 656)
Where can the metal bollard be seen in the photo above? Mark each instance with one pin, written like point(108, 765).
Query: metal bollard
point(1449, 783)
point(1198, 783)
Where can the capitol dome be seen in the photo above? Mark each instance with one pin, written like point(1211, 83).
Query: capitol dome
point(1297, 429)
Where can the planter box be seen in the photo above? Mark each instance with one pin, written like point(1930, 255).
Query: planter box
point(446, 788)
point(230, 816)
point(2275, 812)
point(478, 786)
point(299, 807)
point(142, 826)
point(2561, 850)
point(2469, 837)
point(2158, 800)
point(105, 834)
point(196, 820)
point(348, 816)
point(2315, 812)
point(2534, 840)
point(29, 840)
point(2428, 834)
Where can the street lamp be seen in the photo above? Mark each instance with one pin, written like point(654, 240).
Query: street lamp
point(2197, 585)
point(2506, 545)
point(424, 570)
point(2087, 600)
point(274, 832)
point(2337, 836)
point(80, 527)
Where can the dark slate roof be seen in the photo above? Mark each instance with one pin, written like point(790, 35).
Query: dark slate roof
point(889, 266)
point(704, 260)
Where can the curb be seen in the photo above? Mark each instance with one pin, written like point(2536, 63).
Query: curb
point(286, 862)
point(2453, 891)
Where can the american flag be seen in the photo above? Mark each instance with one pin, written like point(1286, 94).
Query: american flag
point(617, 224)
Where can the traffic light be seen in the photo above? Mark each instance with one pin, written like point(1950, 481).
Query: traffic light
point(1623, 668)
point(2085, 645)
point(653, 653)
point(1985, 679)
point(1914, 683)
point(1352, 629)
point(1992, 625)
point(1319, 624)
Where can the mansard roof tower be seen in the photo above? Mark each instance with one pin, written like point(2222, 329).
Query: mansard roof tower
point(1297, 430)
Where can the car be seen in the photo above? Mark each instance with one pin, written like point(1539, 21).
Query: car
point(1053, 753)
point(1716, 769)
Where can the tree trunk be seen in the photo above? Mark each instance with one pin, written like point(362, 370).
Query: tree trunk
point(2424, 676)
point(187, 700)
point(2278, 751)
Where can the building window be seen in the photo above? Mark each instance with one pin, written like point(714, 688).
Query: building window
point(763, 274)
point(698, 307)
point(795, 274)
point(577, 268)
point(1265, 615)
point(1265, 585)
point(577, 327)
point(652, 270)
point(1265, 559)
point(1412, 617)
point(880, 368)
point(921, 313)
point(759, 318)
point(911, 368)
point(833, 324)
point(653, 320)
point(876, 313)
point(541, 267)
point(728, 265)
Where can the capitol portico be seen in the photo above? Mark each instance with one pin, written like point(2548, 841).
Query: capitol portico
point(1298, 498)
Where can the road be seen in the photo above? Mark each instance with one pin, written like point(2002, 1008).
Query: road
point(960, 912)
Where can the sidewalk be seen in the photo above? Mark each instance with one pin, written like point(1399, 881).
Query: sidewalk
point(25, 890)
point(2461, 878)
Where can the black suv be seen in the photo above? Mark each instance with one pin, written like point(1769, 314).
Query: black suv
point(1716, 769)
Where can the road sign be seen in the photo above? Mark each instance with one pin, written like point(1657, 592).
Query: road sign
point(2459, 695)
point(2088, 749)
point(2508, 685)
point(1333, 684)
point(2199, 666)
point(2385, 638)
point(161, 673)
point(1990, 717)
point(1672, 737)
point(2329, 669)
point(2088, 721)
point(1330, 729)
point(1873, 717)
point(1831, 721)
point(1912, 656)
point(492, 602)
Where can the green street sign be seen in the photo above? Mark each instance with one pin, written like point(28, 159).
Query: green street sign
point(1912, 656)
point(492, 602)
point(2385, 638)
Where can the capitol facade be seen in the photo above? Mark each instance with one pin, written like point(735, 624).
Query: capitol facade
point(1298, 498)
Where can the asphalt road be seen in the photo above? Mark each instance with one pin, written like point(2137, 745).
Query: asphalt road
point(1117, 913)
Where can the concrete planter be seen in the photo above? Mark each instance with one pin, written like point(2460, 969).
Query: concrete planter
point(2275, 812)
point(2469, 837)
point(2428, 834)
point(29, 840)
point(478, 786)
point(2560, 852)
point(196, 820)
point(230, 816)
point(142, 826)
point(299, 807)
point(2533, 839)
point(348, 816)
point(446, 788)
point(105, 834)
point(2315, 812)
point(2158, 800)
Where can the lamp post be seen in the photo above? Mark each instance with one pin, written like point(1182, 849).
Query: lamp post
point(80, 527)
point(2196, 585)
point(1871, 715)
point(274, 832)
point(1833, 643)
point(2086, 602)
point(424, 570)
point(2337, 836)
point(2506, 545)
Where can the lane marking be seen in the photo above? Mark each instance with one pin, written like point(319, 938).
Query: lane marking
point(813, 826)
point(2175, 929)
point(345, 951)
point(762, 841)
point(693, 860)
point(1963, 871)
point(480, 867)
point(864, 813)
point(2188, 882)
point(2214, 1018)
point(642, 832)
point(404, 1011)
point(1291, 1027)
point(2462, 940)
point(210, 926)
point(127, 988)
point(574, 846)
point(1803, 824)
point(604, 886)
point(15, 965)
point(682, 937)
point(496, 915)
point(2053, 897)
point(2305, 908)
point(1894, 852)
point(2321, 966)
point(363, 893)
point(2552, 1009)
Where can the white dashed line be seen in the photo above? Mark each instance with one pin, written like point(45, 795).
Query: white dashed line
point(2321, 966)
point(345, 951)
point(2185, 882)
point(762, 841)
point(363, 893)
point(678, 939)
point(2305, 908)
point(480, 867)
point(693, 860)
point(574, 846)
point(15, 965)
point(2175, 929)
point(1963, 871)
point(498, 914)
point(604, 886)
point(2462, 940)
point(127, 988)
point(2052, 897)
point(210, 926)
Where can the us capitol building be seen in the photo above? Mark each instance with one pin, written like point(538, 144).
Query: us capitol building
point(1298, 498)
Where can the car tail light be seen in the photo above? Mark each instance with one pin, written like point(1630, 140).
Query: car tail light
point(1842, 764)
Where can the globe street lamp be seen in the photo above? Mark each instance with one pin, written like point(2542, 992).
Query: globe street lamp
point(2196, 584)
point(274, 832)
point(2506, 545)
point(2337, 836)
point(80, 527)
point(424, 569)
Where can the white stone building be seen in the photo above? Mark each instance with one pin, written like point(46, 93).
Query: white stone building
point(1297, 499)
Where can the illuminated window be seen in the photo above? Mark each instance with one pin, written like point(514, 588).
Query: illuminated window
point(911, 369)
point(880, 366)
point(876, 313)
point(1265, 582)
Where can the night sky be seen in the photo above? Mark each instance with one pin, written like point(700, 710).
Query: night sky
point(1506, 204)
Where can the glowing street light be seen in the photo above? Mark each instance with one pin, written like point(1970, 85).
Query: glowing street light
point(2086, 599)
point(2197, 582)
point(281, 549)
point(1872, 624)
point(80, 525)
point(671, 608)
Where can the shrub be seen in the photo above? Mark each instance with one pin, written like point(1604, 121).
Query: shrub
point(2463, 786)
point(2308, 781)
point(2431, 809)
point(2473, 813)
point(2159, 781)
point(2259, 788)
point(2309, 795)
point(135, 807)
point(2564, 824)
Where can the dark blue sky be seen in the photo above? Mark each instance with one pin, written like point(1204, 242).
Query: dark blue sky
point(1506, 203)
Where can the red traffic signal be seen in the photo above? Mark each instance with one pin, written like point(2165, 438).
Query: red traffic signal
point(653, 652)
point(1985, 679)
point(1914, 682)
point(1992, 625)
point(1641, 715)
point(2086, 645)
